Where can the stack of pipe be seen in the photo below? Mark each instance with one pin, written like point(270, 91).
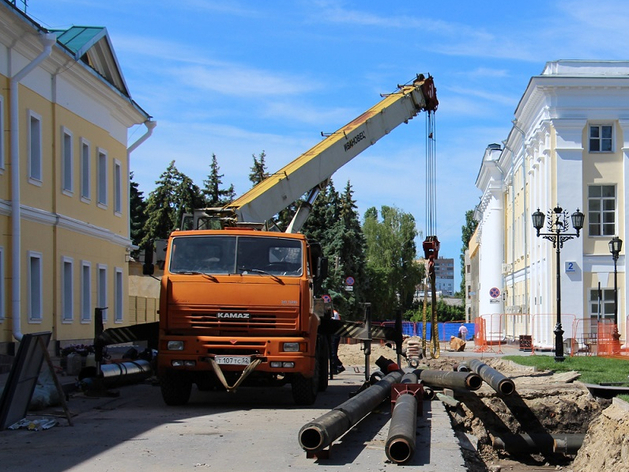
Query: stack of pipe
point(321, 432)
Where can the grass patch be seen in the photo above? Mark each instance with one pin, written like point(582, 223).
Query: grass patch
point(593, 369)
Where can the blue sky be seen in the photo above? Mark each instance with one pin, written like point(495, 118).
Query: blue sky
point(235, 78)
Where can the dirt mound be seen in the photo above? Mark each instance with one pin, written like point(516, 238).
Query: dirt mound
point(606, 444)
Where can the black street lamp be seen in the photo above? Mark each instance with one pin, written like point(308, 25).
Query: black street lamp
point(615, 246)
point(557, 233)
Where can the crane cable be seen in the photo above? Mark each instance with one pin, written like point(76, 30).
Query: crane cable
point(431, 244)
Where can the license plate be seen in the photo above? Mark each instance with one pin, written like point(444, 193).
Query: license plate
point(233, 360)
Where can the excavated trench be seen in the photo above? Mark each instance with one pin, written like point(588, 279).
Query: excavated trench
point(540, 426)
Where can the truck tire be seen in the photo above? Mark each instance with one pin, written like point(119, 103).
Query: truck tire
point(176, 388)
point(305, 389)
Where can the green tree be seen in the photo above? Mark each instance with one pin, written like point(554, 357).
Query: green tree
point(174, 195)
point(348, 247)
point(258, 169)
point(213, 193)
point(467, 231)
point(137, 215)
point(391, 260)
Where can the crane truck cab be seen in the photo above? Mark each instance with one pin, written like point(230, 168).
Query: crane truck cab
point(237, 308)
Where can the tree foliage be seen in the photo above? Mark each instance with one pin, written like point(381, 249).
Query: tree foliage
point(391, 259)
point(137, 214)
point(213, 193)
point(174, 195)
point(467, 231)
point(335, 223)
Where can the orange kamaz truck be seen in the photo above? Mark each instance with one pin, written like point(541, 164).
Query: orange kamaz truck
point(239, 302)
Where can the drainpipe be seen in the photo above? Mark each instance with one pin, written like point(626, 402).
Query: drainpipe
point(150, 126)
point(524, 219)
point(48, 40)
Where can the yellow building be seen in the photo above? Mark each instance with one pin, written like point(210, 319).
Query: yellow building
point(64, 180)
point(568, 150)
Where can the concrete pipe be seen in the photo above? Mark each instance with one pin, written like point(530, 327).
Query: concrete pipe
point(495, 379)
point(320, 433)
point(400, 445)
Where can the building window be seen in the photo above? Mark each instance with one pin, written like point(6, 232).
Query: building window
point(35, 294)
point(34, 148)
point(117, 187)
point(102, 289)
point(2, 134)
point(2, 296)
point(119, 294)
point(102, 178)
point(603, 309)
point(67, 289)
point(601, 138)
point(86, 189)
point(601, 210)
point(86, 292)
point(67, 161)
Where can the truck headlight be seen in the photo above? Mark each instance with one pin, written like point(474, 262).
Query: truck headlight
point(291, 347)
point(175, 345)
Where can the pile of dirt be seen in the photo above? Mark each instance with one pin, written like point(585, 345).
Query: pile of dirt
point(543, 403)
point(606, 444)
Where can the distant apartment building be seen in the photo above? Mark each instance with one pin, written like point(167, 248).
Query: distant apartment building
point(65, 110)
point(444, 275)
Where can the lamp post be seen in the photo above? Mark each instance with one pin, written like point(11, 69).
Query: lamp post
point(557, 233)
point(615, 245)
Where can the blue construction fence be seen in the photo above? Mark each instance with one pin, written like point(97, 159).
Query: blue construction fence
point(445, 329)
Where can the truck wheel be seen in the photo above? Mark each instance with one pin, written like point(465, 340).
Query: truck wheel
point(305, 389)
point(176, 388)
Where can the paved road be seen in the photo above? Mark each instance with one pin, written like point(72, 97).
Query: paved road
point(255, 429)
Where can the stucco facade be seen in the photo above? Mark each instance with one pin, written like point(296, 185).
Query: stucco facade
point(568, 147)
point(64, 180)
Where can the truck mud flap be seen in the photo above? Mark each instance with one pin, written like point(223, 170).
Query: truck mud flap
point(245, 373)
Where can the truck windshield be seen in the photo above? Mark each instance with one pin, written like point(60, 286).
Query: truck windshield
point(214, 254)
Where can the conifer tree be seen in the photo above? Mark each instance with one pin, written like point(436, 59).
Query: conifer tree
point(213, 194)
point(137, 214)
point(174, 194)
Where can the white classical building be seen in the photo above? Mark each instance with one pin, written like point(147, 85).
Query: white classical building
point(568, 147)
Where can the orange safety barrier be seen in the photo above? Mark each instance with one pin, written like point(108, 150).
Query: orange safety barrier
point(482, 342)
point(608, 339)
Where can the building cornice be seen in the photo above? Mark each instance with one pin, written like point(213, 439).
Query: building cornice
point(46, 218)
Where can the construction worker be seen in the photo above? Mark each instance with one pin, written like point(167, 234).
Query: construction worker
point(337, 365)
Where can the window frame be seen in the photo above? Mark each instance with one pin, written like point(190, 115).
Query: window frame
point(601, 212)
point(35, 287)
point(101, 280)
point(35, 147)
point(2, 285)
point(102, 194)
point(117, 187)
point(67, 161)
point(118, 295)
point(86, 170)
point(86, 292)
point(67, 289)
point(600, 139)
point(2, 138)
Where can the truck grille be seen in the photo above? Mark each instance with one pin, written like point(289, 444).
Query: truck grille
point(257, 321)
